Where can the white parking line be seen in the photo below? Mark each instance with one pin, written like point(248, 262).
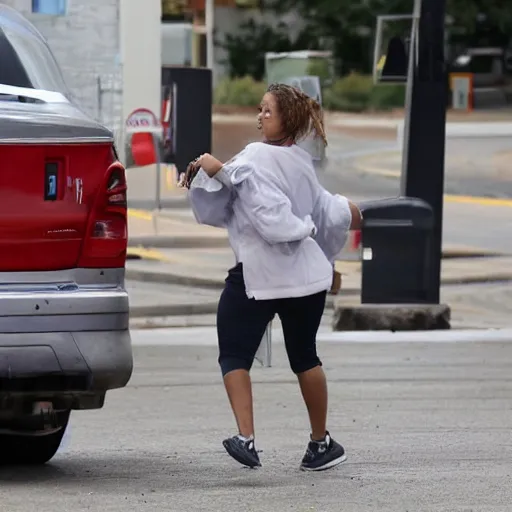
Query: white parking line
point(207, 336)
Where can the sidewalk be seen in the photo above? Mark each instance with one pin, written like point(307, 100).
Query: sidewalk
point(176, 228)
point(207, 268)
point(479, 123)
point(180, 268)
point(169, 246)
point(161, 300)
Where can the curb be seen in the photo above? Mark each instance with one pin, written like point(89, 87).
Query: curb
point(167, 278)
point(468, 253)
point(216, 284)
point(463, 335)
point(205, 308)
point(194, 282)
point(178, 242)
point(151, 206)
point(148, 243)
point(493, 278)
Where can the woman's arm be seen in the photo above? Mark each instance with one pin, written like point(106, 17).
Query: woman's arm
point(334, 216)
point(266, 207)
point(211, 191)
point(210, 201)
point(357, 218)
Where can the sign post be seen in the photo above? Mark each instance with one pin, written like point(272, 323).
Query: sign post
point(461, 85)
point(425, 126)
point(313, 144)
point(144, 121)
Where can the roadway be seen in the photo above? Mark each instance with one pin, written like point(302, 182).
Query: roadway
point(477, 169)
point(426, 427)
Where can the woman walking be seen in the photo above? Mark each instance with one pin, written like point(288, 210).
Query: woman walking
point(286, 231)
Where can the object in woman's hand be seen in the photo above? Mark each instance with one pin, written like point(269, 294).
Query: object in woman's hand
point(188, 176)
point(336, 283)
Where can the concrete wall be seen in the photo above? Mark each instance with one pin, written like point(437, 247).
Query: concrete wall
point(85, 42)
point(141, 54)
point(140, 30)
point(176, 44)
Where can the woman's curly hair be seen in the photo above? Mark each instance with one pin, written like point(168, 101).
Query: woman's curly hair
point(300, 114)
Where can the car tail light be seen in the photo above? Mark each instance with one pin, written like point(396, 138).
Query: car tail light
point(106, 238)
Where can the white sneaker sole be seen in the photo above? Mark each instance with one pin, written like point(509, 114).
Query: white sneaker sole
point(329, 465)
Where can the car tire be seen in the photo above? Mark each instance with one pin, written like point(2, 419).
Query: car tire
point(32, 450)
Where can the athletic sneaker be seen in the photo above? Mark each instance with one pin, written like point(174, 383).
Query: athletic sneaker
point(242, 450)
point(322, 455)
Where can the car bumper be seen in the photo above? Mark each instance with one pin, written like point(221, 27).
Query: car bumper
point(65, 362)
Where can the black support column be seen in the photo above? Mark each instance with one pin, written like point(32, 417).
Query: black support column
point(425, 128)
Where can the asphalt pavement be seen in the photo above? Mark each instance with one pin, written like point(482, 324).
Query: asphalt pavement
point(473, 166)
point(426, 427)
point(425, 417)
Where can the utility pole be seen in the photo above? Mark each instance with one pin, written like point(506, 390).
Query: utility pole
point(209, 21)
point(425, 127)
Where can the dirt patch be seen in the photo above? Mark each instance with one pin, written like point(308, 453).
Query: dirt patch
point(504, 114)
point(364, 132)
point(230, 138)
point(234, 110)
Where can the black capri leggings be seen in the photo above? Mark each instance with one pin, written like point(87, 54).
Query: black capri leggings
point(241, 323)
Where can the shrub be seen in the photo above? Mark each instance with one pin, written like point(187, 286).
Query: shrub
point(388, 96)
point(358, 93)
point(242, 92)
point(353, 93)
point(322, 69)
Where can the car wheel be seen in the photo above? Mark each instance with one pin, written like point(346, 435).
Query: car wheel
point(32, 450)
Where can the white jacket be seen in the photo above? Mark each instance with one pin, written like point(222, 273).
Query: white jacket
point(283, 226)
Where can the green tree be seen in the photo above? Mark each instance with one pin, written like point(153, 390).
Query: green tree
point(348, 27)
point(492, 13)
point(246, 49)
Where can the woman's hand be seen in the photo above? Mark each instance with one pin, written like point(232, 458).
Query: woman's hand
point(336, 283)
point(209, 164)
point(188, 176)
point(357, 218)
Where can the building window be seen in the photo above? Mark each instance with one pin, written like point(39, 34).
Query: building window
point(174, 10)
point(52, 7)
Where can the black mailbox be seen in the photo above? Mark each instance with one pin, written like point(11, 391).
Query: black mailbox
point(396, 251)
point(189, 92)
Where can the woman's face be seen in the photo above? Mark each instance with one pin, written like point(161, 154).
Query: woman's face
point(269, 118)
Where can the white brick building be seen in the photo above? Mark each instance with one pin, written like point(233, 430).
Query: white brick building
point(86, 42)
point(111, 51)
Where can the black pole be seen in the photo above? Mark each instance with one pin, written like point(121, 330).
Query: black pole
point(425, 128)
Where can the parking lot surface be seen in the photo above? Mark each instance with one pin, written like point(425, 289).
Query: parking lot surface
point(426, 427)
